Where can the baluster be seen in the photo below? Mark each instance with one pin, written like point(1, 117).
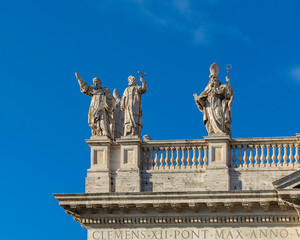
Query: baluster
point(297, 153)
point(251, 155)
point(194, 157)
point(291, 157)
point(145, 159)
point(279, 154)
point(183, 159)
point(268, 158)
point(142, 159)
point(245, 158)
point(240, 155)
point(205, 159)
point(285, 156)
point(167, 160)
point(162, 158)
point(256, 155)
point(189, 160)
point(151, 161)
point(172, 157)
point(156, 160)
point(233, 156)
point(200, 156)
point(262, 156)
point(274, 155)
point(177, 157)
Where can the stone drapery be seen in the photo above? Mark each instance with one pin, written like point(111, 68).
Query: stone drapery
point(131, 104)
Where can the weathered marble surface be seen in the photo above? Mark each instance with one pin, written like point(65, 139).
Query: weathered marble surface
point(131, 104)
point(215, 103)
point(190, 165)
point(132, 194)
point(101, 108)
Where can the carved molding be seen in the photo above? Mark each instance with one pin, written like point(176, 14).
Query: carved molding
point(201, 220)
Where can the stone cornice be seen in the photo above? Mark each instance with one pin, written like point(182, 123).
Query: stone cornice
point(170, 197)
point(214, 203)
point(205, 208)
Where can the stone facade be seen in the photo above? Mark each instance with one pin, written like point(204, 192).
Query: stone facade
point(213, 188)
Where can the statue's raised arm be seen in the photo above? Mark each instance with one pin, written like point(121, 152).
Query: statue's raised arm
point(83, 85)
point(143, 87)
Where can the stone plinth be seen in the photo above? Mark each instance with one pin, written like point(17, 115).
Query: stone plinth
point(128, 176)
point(219, 150)
point(99, 176)
point(217, 173)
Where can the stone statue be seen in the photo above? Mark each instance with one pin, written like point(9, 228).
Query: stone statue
point(118, 116)
point(146, 138)
point(215, 103)
point(101, 108)
point(131, 104)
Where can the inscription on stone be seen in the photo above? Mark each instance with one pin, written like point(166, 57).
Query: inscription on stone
point(263, 233)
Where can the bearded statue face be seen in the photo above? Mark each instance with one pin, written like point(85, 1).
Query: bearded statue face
point(97, 82)
point(132, 81)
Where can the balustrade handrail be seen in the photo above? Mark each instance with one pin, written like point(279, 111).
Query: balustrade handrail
point(174, 143)
point(270, 140)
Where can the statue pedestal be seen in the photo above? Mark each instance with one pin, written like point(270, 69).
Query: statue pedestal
point(128, 178)
point(99, 176)
point(217, 173)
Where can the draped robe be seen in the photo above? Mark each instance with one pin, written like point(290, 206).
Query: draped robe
point(101, 109)
point(131, 104)
point(215, 104)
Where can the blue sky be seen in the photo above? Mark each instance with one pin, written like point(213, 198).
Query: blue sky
point(44, 115)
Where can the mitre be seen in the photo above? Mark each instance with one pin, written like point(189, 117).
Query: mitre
point(214, 69)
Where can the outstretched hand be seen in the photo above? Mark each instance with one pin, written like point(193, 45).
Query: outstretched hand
point(77, 75)
point(142, 79)
point(227, 79)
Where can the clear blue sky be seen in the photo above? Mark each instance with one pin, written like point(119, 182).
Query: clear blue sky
point(44, 114)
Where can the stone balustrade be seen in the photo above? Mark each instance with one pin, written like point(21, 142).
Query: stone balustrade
point(213, 163)
point(244, 152)
point(258, 152)
point(174, 154)
point(250, 152)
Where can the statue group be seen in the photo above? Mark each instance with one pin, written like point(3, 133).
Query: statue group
point(112, 116)
point(109, 114)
